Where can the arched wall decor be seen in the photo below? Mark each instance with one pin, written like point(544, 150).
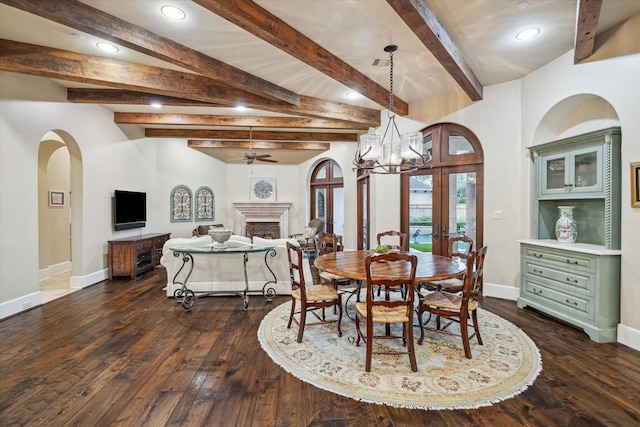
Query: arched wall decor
point(205, 204)
point(181, 204)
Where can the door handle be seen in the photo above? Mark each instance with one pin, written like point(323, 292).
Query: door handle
point(444, 234)
point(434, 231)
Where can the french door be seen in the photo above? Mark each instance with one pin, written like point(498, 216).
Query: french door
point(327, 196)
point(446, 199)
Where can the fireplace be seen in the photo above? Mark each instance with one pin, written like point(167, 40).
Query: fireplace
point(259, 215)
point(267, 230)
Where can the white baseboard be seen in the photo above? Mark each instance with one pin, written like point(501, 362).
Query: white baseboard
point(20, 304)
point(45, 273)
point(629, 336)
point(500, 291)
point(79, 282)
point(34, 299)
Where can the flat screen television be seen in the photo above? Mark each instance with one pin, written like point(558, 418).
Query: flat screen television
point(129, 209)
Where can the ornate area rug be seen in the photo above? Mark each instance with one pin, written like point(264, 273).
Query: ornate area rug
point(503, 367)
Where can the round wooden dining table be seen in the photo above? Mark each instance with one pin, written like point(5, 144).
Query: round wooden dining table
point(350, 264)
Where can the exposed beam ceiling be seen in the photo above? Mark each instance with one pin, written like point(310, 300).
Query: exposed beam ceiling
point(65, 65)
point(93, 21)
point(290, 62)
point(263, 24)
point(419, 17)
point(587, 18)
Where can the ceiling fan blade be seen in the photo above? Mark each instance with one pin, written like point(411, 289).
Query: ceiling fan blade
point(266, 160)
point(262, 156)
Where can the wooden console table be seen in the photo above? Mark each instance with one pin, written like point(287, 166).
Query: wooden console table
point(131, 256)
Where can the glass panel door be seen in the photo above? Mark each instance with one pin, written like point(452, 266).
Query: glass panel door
point(320, 198)
point(461, 206)
point(338, 210)
point(421, 221)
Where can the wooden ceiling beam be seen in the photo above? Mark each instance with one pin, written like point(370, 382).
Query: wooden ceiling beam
point(129, 97)
point(258, 21)
point(227, 120)
point(253, 135)
point(587, 17)
point(205, 143)
point(424, 24)
point(60, 64)
point(77, 15)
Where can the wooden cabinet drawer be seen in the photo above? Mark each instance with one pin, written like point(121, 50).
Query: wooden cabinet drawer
point(579, 306)
point(561, 259)
point(144, 245)
point(569, 280)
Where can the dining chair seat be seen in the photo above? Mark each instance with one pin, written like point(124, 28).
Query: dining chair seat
point(317, 293)
point(447, 301)
point(384, 314)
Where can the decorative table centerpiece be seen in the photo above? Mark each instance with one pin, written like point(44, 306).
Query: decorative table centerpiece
point(220, 236)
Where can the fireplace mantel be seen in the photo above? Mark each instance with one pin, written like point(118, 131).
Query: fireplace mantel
point(262, 212)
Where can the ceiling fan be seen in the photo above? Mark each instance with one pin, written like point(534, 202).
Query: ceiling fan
point(252, 156)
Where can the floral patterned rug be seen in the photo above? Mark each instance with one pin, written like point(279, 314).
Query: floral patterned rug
point(503, 367)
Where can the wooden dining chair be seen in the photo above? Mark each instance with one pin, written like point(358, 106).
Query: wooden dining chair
point(394, 239)
point(457, 247)
point(390, 271)
point(311, 297)
point(455, 307)
point(327, 243)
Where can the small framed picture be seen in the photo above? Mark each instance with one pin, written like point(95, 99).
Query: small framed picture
point(56, 198)
point(635, 185)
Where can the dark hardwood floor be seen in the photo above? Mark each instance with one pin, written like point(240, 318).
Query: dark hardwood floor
point(122, 353)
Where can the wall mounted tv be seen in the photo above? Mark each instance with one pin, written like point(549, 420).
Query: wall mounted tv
point(129, 210)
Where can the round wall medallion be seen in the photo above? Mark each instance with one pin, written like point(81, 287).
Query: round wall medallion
point(262, 189)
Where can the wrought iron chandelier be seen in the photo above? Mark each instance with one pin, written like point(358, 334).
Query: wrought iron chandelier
point(397, 153)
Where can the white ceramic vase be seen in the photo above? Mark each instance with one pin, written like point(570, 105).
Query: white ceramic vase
point(566, 228)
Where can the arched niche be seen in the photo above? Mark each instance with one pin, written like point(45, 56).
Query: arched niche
point(573, 116)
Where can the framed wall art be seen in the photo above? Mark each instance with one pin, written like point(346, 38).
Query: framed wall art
point(181, 204)
point(635, 185)
point(263, 189)
point(205, 204)
point(56, 198)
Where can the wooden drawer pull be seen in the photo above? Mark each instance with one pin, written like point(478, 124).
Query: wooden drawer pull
point(537, 255)
point(537, 271)
point(572, 262)
point(569, 302)
point(537, 291)
point(569, 279)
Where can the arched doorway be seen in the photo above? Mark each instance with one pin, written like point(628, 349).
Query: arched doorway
point(59, 224)
point(445, 199)
point(327, 196)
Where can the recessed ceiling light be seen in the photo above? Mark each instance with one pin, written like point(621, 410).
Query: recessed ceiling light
point(352, 94)
point(522, 5)
point(241, 107)
point(173, 12)
point(156, 105)
point(107, 47)
point(529, 33)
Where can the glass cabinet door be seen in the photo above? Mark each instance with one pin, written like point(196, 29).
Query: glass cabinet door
point(554, 177)
point(578, 171)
